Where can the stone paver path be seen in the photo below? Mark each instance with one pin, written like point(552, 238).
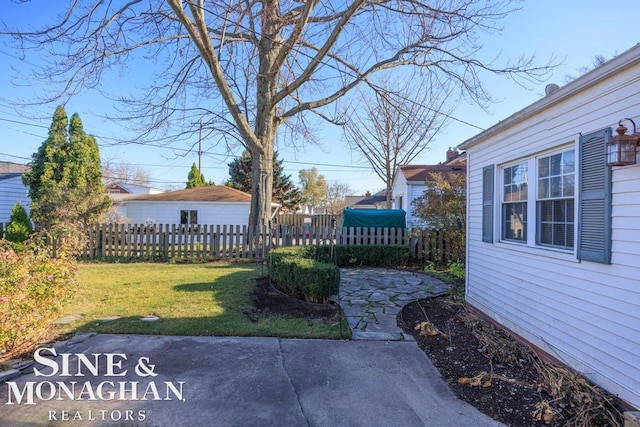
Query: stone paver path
point(372, 297)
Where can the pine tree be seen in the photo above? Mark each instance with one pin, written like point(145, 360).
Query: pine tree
point(85, 174)
point(65, 182)
point(240, 173)
point(19, 227)
point(196, 178)
point(284, 191)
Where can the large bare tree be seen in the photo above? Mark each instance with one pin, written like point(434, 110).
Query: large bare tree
point(246, 68)
point(389, 128)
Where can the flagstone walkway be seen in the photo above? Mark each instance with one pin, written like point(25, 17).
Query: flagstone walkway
point(372, 297)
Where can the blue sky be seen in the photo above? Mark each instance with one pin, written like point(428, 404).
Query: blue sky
point(572, 31)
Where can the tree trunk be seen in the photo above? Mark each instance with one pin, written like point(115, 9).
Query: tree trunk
point(262, 186)
point(266, 122)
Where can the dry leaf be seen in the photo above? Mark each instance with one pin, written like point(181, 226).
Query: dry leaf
point(426, 329)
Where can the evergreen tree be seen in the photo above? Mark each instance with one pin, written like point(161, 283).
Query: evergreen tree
point(65, 181)
point(85, 174)
point(284, 191)
point(196, 178)
point(19, 227)
point(240, 173)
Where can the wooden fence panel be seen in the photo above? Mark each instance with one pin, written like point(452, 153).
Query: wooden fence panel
point(235, 242)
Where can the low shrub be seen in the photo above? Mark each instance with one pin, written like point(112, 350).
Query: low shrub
point(307, 279)
point(364, 255)
point(276, 255)
point(456, 269)
point(33, 289)
point(19, 228)
point(311, 272)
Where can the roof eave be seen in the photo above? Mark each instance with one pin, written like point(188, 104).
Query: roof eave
point(621, 62)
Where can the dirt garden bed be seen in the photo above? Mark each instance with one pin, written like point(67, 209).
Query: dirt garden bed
point(269, 300)
point(501, 377)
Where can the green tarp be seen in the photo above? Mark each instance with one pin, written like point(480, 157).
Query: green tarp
point(390, 218)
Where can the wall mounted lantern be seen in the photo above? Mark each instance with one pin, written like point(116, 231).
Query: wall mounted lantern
point(621, 149)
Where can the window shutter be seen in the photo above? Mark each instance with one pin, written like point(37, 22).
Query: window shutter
point(594, 209)
point(487, 203)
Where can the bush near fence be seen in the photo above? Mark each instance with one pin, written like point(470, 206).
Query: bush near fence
point(369, 255)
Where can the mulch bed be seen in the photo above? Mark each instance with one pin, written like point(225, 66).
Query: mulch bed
point(269, 300)
point(502, 378)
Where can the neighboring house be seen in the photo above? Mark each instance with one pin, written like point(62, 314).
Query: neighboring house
point(553, 237)
point(369, 201)
point(118, 192)
point(411, 181)
point(12, 190)
point(210, 204)
point(115, 188)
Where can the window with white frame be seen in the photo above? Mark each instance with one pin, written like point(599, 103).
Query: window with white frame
point(551, 200)
point(188, 217)
point(514, 202)
point(555, 202)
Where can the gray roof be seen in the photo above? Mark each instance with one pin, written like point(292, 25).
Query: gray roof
point(9, 175)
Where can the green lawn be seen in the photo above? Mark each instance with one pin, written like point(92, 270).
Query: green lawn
point(189, 299)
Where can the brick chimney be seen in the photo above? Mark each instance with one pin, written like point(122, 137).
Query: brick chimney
point(452, 153)
point(367, 195)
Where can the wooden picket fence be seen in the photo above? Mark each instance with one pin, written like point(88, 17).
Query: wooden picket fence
point(234, 242)
point(312, 221)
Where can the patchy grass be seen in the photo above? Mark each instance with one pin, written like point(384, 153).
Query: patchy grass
point(189, 299)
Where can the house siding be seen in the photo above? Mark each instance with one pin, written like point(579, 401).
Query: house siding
point(399, 190)
point(415, 191)
point(586, 314)
point(12, 191)
point(408, 192)
point(168, 212)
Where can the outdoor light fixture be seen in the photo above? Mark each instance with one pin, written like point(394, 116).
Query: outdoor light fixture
point(621, 149)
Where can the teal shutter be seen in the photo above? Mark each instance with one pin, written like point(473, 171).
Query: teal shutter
point(487, 203)
point(594, 204)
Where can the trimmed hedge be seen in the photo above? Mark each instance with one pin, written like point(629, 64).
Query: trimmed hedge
point(311, 272)
point(306, 278)
point(365, 255)
point(276, 255)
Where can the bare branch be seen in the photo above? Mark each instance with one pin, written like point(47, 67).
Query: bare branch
point(250, 66)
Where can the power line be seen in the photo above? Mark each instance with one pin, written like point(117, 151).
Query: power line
point(24, 123)
point(15, 157)
point(189, 150)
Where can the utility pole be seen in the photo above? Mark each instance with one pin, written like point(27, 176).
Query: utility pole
point(200, 149)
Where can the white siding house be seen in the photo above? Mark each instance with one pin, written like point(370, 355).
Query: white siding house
point(12, 191)
point(212, 205)
point(118, 192)
point(411, 181)
point(553, 238)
